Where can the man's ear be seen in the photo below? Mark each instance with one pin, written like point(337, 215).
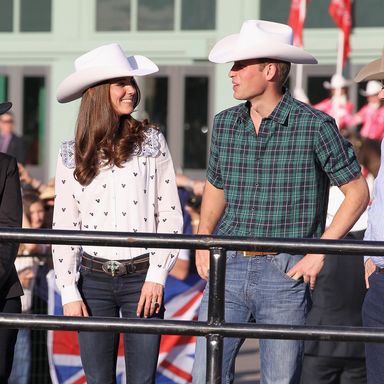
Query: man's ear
point(271, 71)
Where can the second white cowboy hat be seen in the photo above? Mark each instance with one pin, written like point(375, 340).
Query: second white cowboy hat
point(102, 63)
point(337, 81)
point(260, 39)
point(373, 88)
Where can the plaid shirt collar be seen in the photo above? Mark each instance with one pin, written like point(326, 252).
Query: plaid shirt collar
point(279, 115)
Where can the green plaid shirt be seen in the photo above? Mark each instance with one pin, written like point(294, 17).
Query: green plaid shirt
point(276, 183)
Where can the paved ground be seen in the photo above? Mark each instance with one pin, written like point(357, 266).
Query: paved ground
point(247, 363)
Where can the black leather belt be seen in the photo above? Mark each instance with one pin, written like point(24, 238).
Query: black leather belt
point(115, 267)
point(379, 270)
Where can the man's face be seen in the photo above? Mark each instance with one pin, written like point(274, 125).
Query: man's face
point(248, 79)
point(6, 123)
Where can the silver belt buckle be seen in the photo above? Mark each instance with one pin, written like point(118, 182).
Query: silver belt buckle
point(113, 267)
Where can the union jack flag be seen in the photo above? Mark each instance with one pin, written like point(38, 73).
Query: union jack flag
point(63, 347)
point(182, 300)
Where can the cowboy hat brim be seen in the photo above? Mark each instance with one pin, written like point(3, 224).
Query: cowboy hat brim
point(372, 71)
point(4, 107)
point(72, 87)
point(328, 85)
point(228, 49)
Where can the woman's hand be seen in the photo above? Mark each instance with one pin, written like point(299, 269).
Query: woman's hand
point(151, 299)
point(75, 308)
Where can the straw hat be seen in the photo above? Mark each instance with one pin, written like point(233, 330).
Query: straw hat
point(48, 193)
point(260, 39)
point(337, 81)
point(102, 63)
point(373, 88)
point(4, 107)
point(372, 71)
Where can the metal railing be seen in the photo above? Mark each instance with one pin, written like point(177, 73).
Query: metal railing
point(215, 328)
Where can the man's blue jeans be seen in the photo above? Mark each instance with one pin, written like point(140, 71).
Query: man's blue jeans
point(22, 358)
point(106, 296)
point(258, 288)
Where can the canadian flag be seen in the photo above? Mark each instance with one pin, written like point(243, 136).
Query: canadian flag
point(296, 20)
point(340, 11)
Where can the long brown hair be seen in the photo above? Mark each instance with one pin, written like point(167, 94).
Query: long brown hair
point(103, 138)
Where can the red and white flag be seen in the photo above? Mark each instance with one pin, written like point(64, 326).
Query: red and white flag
point(296, 20)
point(340, 11)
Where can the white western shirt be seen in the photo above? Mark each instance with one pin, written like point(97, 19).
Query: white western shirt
point(139, 197)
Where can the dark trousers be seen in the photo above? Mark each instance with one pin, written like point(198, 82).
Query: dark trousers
point(373, 316)
point(8, 338)
point(107, 296)
point(333, 370)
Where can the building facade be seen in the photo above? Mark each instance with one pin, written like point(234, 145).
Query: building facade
point(40, 39)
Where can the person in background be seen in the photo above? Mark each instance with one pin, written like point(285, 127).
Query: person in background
point(337, 104)
point(371, 115)
point(337, 362)
point(27, 268)
point(373, 307)
point(10, 287)
point(272, 159)
point(11, 143)
point(117, 175)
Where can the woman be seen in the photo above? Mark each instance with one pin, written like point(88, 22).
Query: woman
point(116, 176)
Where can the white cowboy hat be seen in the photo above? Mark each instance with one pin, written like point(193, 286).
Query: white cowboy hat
point(337, 81)
point(260, 39)
point(372, 71)
point(373, 88)
point(4, 107)
point(102, 63)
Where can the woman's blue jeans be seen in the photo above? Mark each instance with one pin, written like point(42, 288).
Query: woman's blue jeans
point(258, 289)
point(107, 296)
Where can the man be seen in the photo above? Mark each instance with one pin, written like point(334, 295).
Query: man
point(272, 159)
point(11, 143)
point(373, 307)
point(10, 288)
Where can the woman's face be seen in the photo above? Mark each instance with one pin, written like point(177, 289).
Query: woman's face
point(37, 215)
point(123, 95)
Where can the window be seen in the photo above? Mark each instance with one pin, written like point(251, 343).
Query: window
point(156, 15)
point(33, 117)
point(156, 101)
point(198, 14)
point(6, 20)
point(35, 16)
point(113, 15)
point(195, 122)
point(3, 88)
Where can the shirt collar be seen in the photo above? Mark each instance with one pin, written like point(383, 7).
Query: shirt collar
point(279, 114)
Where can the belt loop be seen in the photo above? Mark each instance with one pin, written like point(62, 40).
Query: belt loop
point(131, 267)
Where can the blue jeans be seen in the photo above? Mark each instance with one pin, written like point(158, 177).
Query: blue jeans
point(108, 296)
point(21, 367)
point(258, 289)
point(373, 316)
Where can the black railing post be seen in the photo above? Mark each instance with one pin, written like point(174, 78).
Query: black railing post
point(215, 343)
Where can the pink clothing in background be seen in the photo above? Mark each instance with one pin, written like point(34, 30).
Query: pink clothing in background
point(372, 119)
point(345, 111)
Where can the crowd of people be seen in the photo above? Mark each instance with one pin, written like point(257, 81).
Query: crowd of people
point(272, 162)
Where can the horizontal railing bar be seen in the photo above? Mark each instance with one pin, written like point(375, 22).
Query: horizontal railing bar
point(195, 328)
point(144, 240)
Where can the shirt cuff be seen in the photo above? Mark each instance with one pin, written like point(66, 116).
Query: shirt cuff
point(156, 275)
point(70, 294)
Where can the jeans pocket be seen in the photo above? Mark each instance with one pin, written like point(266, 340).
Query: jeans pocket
point(283, 262)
